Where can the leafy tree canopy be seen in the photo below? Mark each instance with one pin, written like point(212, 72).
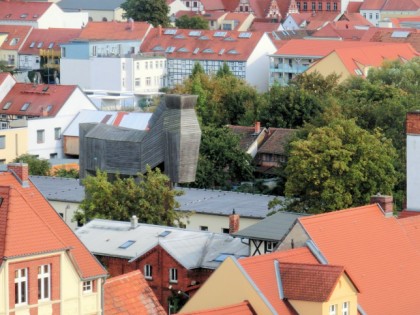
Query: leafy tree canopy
point(193, 22)
point(36, 166)
point(67, 173)
point(338, 166)
point(153, 11)
point(151, 199)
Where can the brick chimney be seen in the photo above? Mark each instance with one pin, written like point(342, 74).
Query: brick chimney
point(159, 30)
point(413, 160)
point(20, 171)
point(385, 202)
point(257, 127)
point(233, 222)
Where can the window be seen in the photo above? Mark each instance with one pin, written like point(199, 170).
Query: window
point(44, 284)
point(328, 6)
point(370, 16)
point(151, 64)
point(40, 136)
point(32, 45)
point(377, 16)
point(126, 244)
point(138, 65)
point(148, 81)
point(93, 50)
point(269, 246)
point(313, 6)
point(7, 105)
point(335, 6)
point(333, 309)
point(51, 45)
point(137, 81)
point(225, 230)
point(173, 275)
point(123, 66)
point(146, 65)
point(2, 142)
point(87, 286)
point(57, 133)
point(204, 228)
point(39, 45)
point(25, 106)
point(21, 286)
point(319, 6)
point(63, 52)
point(345, 309)
point(156, 64)
point(305, 6)
point(123, 82)
point(148, 271)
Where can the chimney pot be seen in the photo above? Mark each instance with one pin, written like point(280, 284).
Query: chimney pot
point(385, 202)
point(257, 127)
point(233, 222)
point(134, 222)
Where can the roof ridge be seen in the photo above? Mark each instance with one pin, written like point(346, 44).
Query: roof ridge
point(337, 212)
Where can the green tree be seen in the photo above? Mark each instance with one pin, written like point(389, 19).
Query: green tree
point(316, 83)
point(221, 161)
point(151, 199)
point(338, 166)
point(36, 166)
point(67, 173)
point(153, 11)
point(223, 71)
point(194, 22)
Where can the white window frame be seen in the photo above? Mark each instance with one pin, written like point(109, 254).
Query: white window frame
point(57, 133)
point(148, 272)
point(21, 286)
point(333, 309)
point(40, 136)
point(173, 275)
point(44, 282)
point(346, 308)
point(87, 286)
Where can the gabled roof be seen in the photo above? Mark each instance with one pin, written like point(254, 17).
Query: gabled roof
point(377, 251)
point(3, 76)
point(247, 135)
point(212, 5)
point(394, 35)
point(29, 225)
point(230, 5)
point(115, 31)
point(309, 282)
point(372, 4)
point(243, 308)
point(329, 31)
point(202, 44)
point(354, 7)
point(192, 249)
point(265, 26)
point(39, 98)
point(130, 294)
point(397, 5)
point(276, 140)
point(77, 5)
point(263, 272)
point(238, 17)
point(272, 228)
point(16, 36)
point(22, 10)
point(48, 39)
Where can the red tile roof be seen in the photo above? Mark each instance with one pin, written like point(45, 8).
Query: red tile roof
point(130, 294)
point(309, 282)
point(29, 225)
point(264, 26)
point(354, 6)
point(211, 5)
point(14, 31)
point(4, 75)
point(387, 36)
point(238, 17)
point(247, 135)
point(22, 10)
point(329, 31)
point(398, 5)
point(243, 308)
point(276, 141)
point(372, 4)
point(43, 38)
point(202, 44)
point(261, 270)
point(115, 31)
point(377, 251)
point(39, 98)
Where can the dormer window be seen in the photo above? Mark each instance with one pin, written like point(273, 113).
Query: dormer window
point(14, 41)
point(24, 15)
point(51, 45)
point(7, 105)
point(25, 106)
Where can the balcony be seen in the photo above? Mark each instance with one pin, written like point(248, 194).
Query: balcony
point(286, 68)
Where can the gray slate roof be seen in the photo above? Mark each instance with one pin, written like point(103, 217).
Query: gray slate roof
point(67, 5)
point(192, 249)
point(272, 228)
point(199, 200)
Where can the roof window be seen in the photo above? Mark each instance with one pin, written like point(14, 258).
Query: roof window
point(51, 45)
point(158, 48)
point(39, 45)
point(194, 33)
point(179, 36)
point(204, 37)
point(170, 32)
point(24, 15)
point(208, 51)
point(219, 34)
point(170, 49)
point(7, 105)
point(233, 52)
point(183, 49)
point(222, 257)
point(25, 106)
point(14, 41)
point(245, 35)
point(32, 45)
point(126, 244)
point(164, 233)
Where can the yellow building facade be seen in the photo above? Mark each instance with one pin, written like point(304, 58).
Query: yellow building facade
point(13, 143)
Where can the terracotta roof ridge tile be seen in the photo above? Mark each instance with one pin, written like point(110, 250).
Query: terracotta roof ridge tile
point(337, 212)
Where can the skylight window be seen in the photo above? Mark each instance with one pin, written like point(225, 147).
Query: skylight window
point(164, 233)
point(221, 51)
point(222, 257)
point(203, 38)
point(14, 41)
point(49, 107)
point(39, 45)
point(194, 33)
point(229, 39)
point(158, 48)
point(179, 36)
point(195, 52)
point(233, 52)
point(25, 106)
point(358, 72)
point(7, 105)
point(245, 35)
point(170, 49)
point(126, 244)
point(51, 45)
point(24, 15)
point(208, 51)
point(220, 34)
point(170, 32)
point(183, 49)
point(400, 34)
point(32, 45)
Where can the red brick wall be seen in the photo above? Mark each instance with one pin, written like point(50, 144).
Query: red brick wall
point(20, 169)
point(413, 123)
point(161, 262)
point(324, 5)
point(32, 267)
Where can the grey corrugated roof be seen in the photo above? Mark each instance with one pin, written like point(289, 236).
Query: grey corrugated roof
point(272, 228)
point(131, 120)
point(59, 188)
point(192, 249)
point(199, 200)
point(102, 131)
point(89, 4)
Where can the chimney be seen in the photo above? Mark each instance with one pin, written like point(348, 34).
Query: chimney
point(44, 112)
point(20, 171)
point(233, 222)
point(385, 202)
point(159, 30)
point(134, 222)
point(257, 127)
point(413, 160)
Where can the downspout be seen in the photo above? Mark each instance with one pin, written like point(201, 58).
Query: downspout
point(102, 295)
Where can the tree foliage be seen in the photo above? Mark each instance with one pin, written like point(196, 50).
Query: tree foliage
point(338, 166)
point(153, 11)
point(151, 199)
point(221, 161)
point(67, 173)
point(193, 22)
point(36, 166)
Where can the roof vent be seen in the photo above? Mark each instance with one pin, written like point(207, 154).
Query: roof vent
point(134, 222)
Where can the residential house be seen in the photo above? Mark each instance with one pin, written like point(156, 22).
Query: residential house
point(214, 18)
point(289, 282)
point(237, 21)
point(210, 210)
point(130, 293)
point(250, 138)
point(171, 143)
point(40, 14)
point(45, 110)
point(41, 50)
point(341, 30)
point(347, 62)
point(244, 52)
point(297, 55)
point(133, 120)
point(45, 268)
point(265, 235)
point(265, 27)
point(171, 259)
point(394, 35)
point(97, 10)
point(376, 11)
point(367, 240)
point(12, 40)
point(175, 6)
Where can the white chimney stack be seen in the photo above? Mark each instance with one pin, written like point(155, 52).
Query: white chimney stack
point(413, 160)
point(134, 222)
